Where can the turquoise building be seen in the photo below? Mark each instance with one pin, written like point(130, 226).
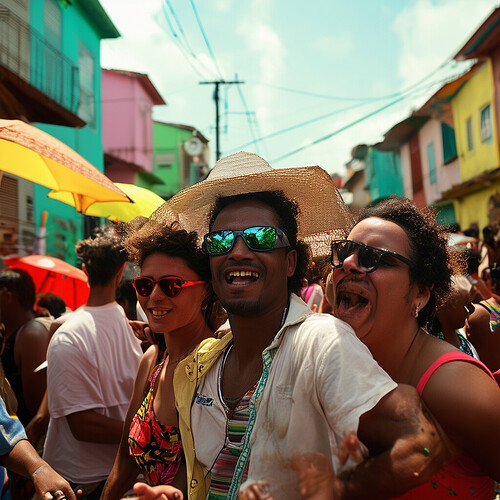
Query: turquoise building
point(76, 29)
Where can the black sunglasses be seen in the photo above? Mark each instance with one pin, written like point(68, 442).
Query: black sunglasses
point(258, 239)
point(170, 286)
point(368, 257)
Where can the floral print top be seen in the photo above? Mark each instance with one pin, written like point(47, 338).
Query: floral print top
point(156, 448)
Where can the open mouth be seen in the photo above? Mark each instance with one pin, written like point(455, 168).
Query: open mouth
point(353, 303)
point(347, 300)
point(241, 277)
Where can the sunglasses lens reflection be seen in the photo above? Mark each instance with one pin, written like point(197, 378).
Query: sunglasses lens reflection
point(143, 286)
point(170, 287)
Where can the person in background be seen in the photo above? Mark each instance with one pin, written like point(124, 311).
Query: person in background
point(125, 293)
point(92, 360)
point(24, 348)
point(17, 454)
point(452, 316)
point(390, 275)
point(484, 324)
point(49, 304)
point(490, 249)
point(312, 294)
point(175, 292)
point(25, 341)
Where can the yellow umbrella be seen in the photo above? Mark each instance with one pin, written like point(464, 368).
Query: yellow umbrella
point(144, 202)
point(34, 155)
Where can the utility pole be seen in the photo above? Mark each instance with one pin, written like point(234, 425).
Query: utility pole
point(217, 83)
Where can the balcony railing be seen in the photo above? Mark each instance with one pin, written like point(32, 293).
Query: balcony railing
point(25, 52)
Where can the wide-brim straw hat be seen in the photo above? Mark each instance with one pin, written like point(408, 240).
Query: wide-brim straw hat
point(323, 215)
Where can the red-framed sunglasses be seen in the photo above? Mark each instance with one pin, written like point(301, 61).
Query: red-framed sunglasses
point(170, 285)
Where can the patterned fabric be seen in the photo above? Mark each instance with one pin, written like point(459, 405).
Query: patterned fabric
point(494, 316)
point(241, 469)
point(156, 448)
point(223, 469)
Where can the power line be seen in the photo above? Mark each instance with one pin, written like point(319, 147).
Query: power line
point(404, 95)
point(250, 125)
point(183, 46)
point(299, 125)
point(206, 39)
point(344, 98)
point(338, 131)
point(217, 83)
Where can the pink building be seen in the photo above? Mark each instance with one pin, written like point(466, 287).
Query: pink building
point(127, 123)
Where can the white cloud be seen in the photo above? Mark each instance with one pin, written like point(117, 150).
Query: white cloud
point(222, 5)
point(265, 55)
point(431, 32)
point(334, 48)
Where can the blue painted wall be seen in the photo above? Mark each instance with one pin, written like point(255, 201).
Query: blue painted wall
point(383, 174)
point(64, 225)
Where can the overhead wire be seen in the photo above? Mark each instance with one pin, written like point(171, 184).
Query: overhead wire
point(247, 112)
point(205, 38)
point(212, 55)
point(298, 125)
point(338, 131)
point(355, 122)
point(403, 95)
point(182, 41)
point(344, 98)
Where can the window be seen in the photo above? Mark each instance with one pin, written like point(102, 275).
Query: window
point(86, 107)
point(470, 139)
point(486, 129)
point(165, 160)
point(449, 142)
point(431, 158)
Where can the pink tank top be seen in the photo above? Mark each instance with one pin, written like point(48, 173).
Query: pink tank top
point(461, 478)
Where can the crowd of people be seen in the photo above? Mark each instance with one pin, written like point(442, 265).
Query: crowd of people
point(278, 349)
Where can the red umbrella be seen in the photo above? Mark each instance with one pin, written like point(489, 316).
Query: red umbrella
point(56, 276)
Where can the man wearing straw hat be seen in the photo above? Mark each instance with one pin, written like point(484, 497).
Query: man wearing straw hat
point(288, 382)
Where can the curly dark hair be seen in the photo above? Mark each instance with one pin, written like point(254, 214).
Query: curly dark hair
point(103, 255)
point(52, 302)
point(146, 237)
point(434, 261)
point(287, 212)
point(19, 282)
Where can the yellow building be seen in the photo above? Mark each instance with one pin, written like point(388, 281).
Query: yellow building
point(477, 148)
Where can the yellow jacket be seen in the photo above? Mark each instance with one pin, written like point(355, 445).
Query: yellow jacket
point(187, 377)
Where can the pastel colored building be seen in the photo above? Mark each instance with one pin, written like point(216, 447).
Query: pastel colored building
point(375, 174)
point(50, 51)
point(127, 124)
point(477, 147)
point(181, 156)
point(478, 121)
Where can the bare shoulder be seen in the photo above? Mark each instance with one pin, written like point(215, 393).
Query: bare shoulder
point(460, 393)
point(480, 314)
point(479, 325)
point(148, 360)
point(33, 331)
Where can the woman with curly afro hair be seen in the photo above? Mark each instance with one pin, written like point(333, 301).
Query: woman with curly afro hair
point(390, 275)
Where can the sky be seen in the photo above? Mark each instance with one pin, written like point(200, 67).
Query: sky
point(318, 77)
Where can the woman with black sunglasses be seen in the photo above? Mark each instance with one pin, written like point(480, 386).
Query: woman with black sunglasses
point(175, 292)
point(389, 277)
